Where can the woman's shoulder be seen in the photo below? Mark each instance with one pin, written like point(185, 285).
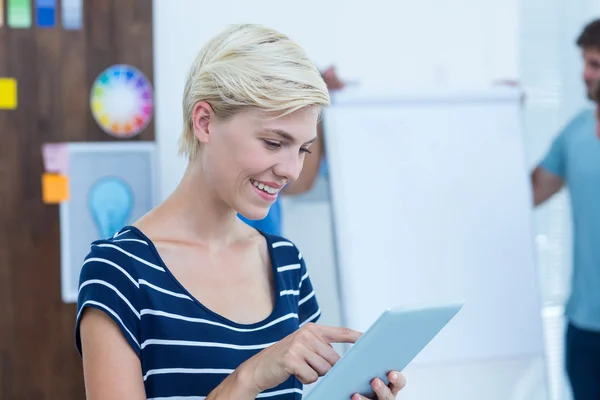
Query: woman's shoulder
point(110, 280)
point(128, 252)
point(283, 247)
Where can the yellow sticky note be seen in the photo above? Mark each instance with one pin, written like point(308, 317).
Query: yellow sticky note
point(55, 188)
point(8, 93)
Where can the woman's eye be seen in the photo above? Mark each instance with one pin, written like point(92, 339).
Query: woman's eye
point(271, 144)
point(302, 150)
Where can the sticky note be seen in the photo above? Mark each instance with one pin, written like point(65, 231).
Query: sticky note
point(45, 10)
point(55, 188)
point(72, 14)
point(56, 158)
point(18, 13)
point(1, 13)
point(8, 94)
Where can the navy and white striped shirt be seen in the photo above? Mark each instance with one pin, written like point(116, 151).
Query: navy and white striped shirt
point(185, 349)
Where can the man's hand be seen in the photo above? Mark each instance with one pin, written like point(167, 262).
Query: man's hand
point(332, 79)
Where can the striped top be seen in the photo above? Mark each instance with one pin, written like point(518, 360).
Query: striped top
point(185, 349)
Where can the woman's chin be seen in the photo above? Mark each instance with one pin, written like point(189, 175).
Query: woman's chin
point(254, 214)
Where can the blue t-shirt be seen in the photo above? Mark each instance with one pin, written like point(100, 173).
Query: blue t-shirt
point(271, 224)
point(185, 349)
point(575, 157)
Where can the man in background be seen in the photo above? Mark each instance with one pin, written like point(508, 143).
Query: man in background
point(272, 223)
point(573, 160)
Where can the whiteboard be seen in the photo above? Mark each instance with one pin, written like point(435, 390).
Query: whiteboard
point(431, 204)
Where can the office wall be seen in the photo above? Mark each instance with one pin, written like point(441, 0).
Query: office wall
point(398, 44)
point(55, 69)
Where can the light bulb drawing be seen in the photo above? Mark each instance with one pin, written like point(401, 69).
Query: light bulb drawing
point(110, 202)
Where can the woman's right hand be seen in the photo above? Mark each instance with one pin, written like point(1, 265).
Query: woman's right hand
point(306, 354)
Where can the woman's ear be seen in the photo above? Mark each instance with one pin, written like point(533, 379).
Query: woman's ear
point(201, 117)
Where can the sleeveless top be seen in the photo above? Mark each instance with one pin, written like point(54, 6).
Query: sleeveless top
point(185, 349)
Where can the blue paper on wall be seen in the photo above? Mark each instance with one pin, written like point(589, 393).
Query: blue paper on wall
point(46, 13)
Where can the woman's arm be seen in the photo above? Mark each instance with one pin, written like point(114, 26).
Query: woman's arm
point(239, 385)
point(111, 369)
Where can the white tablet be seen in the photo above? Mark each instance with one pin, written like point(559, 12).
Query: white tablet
point(390, 344)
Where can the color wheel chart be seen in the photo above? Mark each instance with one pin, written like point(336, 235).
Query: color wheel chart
point(122, 101)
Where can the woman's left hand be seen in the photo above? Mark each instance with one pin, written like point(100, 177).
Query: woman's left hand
point(383, 392)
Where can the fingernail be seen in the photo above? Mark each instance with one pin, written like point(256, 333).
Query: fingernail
point(377, 383)
point(395, 376)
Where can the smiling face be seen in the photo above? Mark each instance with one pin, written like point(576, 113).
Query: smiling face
point(241, 156)
point(249, 157)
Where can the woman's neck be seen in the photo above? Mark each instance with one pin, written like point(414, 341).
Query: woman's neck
point(195, 212)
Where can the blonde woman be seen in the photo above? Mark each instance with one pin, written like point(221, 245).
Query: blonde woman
point(190, 302)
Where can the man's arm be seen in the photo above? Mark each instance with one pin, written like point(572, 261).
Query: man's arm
point(545, 185)
point(310, 170)
point(312, 163)
point(548, 178)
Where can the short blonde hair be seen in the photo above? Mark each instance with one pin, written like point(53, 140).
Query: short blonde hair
point(250, 66)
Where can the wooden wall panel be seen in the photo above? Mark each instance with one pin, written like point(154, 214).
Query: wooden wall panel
point(55, 69)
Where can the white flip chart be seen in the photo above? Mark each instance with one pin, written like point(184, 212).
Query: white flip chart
point(432, 204)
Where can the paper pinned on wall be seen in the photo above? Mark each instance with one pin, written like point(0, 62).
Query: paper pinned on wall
point(111, 185)
point(1, 13)
point(72, 14)
point(19, 14)
point(46, 13)
point(56, 158)
point(8, 94)
point(55, 188)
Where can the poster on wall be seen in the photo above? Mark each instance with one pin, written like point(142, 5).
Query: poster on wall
point(111, 185)
point(121, 100)
point(8, 94)
point(72, 14)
